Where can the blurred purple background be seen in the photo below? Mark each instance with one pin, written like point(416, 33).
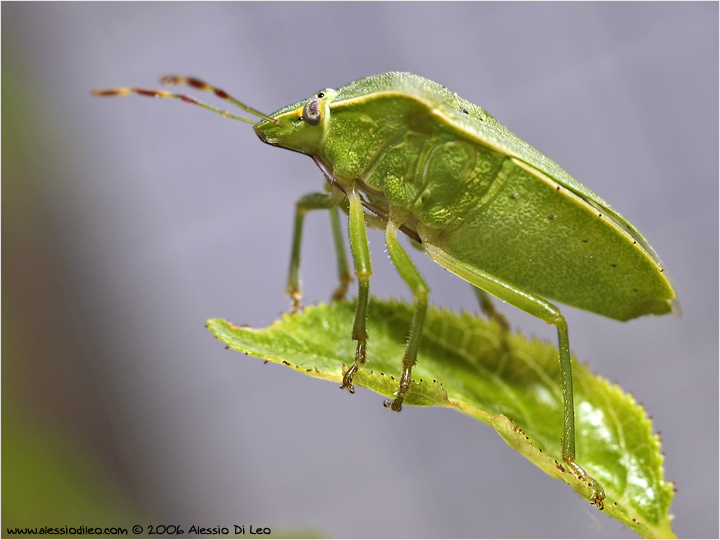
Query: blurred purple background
point(128, 222)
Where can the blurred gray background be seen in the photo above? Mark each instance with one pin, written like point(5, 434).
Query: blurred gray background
point(127, 222)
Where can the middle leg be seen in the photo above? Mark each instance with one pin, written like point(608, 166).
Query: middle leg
point(419, 288)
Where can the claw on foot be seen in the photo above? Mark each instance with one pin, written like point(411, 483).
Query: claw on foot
point(598, 497)
point(350, 373)
point(295, 298)
point(394, 404)
point(598, 493)
point(348, 377)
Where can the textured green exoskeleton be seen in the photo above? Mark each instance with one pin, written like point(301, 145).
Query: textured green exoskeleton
point(401, 152)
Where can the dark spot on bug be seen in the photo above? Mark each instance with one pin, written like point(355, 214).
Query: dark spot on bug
point(599, 215)
point(661, 270)
point(465, 111)
point(557, 188)
point(634, 242)
point(197, 83)
point(227, 347)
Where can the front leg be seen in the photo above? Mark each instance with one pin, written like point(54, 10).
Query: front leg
point(363, 271)
point(314, 201)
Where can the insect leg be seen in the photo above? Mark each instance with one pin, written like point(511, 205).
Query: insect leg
point(420, 290)
point(540, 308)
point(344, 274)
point(311, 201)
point(487, 307)
point(363, 271)
point(371, 220)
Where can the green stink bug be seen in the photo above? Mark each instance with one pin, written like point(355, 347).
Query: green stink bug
point(400, 152)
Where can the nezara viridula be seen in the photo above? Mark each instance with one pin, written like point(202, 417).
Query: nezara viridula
point(402, 153)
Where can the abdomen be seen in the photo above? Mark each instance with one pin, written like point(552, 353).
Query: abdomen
point(534, 233)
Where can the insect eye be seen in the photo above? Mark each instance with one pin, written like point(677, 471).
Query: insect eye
point(321, 94)
point(311, 112)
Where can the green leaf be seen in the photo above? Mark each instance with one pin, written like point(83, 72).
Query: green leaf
point(502, 379)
